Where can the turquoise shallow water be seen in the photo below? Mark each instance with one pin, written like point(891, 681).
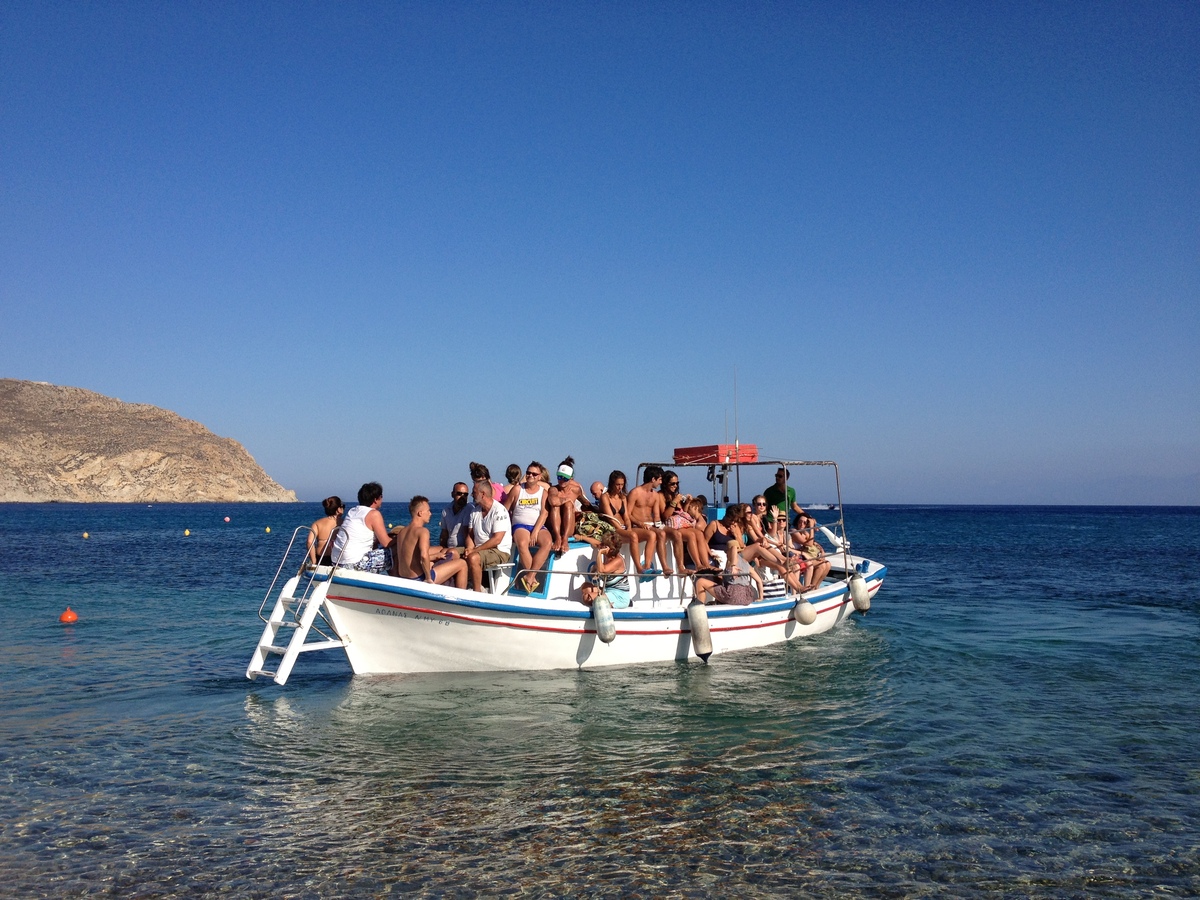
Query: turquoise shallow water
point(1015, 716)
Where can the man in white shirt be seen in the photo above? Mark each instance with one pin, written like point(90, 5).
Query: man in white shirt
point(489, 539)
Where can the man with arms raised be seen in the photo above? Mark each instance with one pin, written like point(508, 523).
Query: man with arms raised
point(413, 556)
point(489, 539)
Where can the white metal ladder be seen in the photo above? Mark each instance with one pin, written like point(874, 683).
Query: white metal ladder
point(295, 616)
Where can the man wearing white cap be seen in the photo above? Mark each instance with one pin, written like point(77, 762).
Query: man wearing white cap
point(564, 500)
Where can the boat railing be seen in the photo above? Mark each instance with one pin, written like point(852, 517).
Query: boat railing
point(283, 564)
point(305, 573)
point(576, 580)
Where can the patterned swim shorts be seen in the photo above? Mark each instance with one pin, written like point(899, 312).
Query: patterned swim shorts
point(375, 561)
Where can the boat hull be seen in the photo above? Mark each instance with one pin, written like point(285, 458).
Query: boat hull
point(396, 625)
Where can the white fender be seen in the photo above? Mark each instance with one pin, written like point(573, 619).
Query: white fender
point(859, 593)
point(606, 628)
point(804, 612)
point(698, 622)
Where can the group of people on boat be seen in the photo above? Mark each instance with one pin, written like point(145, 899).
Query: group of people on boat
point(529, 519)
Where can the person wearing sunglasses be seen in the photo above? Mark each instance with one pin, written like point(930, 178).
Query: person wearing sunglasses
point(528, 508)
point(454, 521)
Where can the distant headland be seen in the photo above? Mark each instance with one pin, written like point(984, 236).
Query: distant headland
point(71, 445)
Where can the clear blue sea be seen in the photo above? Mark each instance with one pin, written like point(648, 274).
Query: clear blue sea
point(1016, 716)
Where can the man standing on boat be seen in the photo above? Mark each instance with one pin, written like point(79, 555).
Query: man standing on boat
point(361, 541)
point(782, 501)
point(456, 519)
point(489, 539)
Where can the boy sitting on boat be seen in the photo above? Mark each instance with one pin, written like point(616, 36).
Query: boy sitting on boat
point(413, 556)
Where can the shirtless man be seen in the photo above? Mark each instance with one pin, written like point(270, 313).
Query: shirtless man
point(562, 506)
point(415, 559)
point(646, 508)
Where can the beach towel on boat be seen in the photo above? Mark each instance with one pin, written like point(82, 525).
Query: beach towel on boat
point(593, 526)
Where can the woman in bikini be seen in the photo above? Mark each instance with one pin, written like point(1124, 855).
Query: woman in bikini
point(688, 531)
point(614, 505)
point(322, 530)
point(735, 528)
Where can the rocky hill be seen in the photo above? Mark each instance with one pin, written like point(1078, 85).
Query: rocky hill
point(68, 444)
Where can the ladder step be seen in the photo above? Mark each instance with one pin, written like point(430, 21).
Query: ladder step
point(321, 645)
point(305, 648)
point(260, 673)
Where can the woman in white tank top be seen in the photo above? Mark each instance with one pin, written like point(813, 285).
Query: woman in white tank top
point(527, 508)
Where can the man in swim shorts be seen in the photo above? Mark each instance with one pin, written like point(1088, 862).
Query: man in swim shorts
point(361, 541)
point(413, 556)
point(646, 508)
point(565, 499)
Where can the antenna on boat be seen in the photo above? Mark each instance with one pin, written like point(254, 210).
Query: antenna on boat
point(737, 450)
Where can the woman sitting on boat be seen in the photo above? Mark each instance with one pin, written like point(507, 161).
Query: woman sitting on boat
point(688, 532)
point(479, 472)
point(322, 530)
point(740, 583)
point(611, 578)
point(735, 527)
point(614, 505)
point(528, 509)
point(817, 565)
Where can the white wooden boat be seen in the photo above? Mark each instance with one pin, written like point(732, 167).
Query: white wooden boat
point(386, 624)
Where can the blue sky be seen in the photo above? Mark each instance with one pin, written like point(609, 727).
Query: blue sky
point(955, 247)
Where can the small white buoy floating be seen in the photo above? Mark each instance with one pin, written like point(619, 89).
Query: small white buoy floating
point(606, 628)
point(804, 612)
point(859, 593)
point(698, 622)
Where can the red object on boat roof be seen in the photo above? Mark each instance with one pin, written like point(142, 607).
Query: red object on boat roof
point(716, 454)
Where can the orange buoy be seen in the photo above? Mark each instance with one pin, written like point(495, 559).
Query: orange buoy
point(69, 616)
point(268, 529)
point(85, 535)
